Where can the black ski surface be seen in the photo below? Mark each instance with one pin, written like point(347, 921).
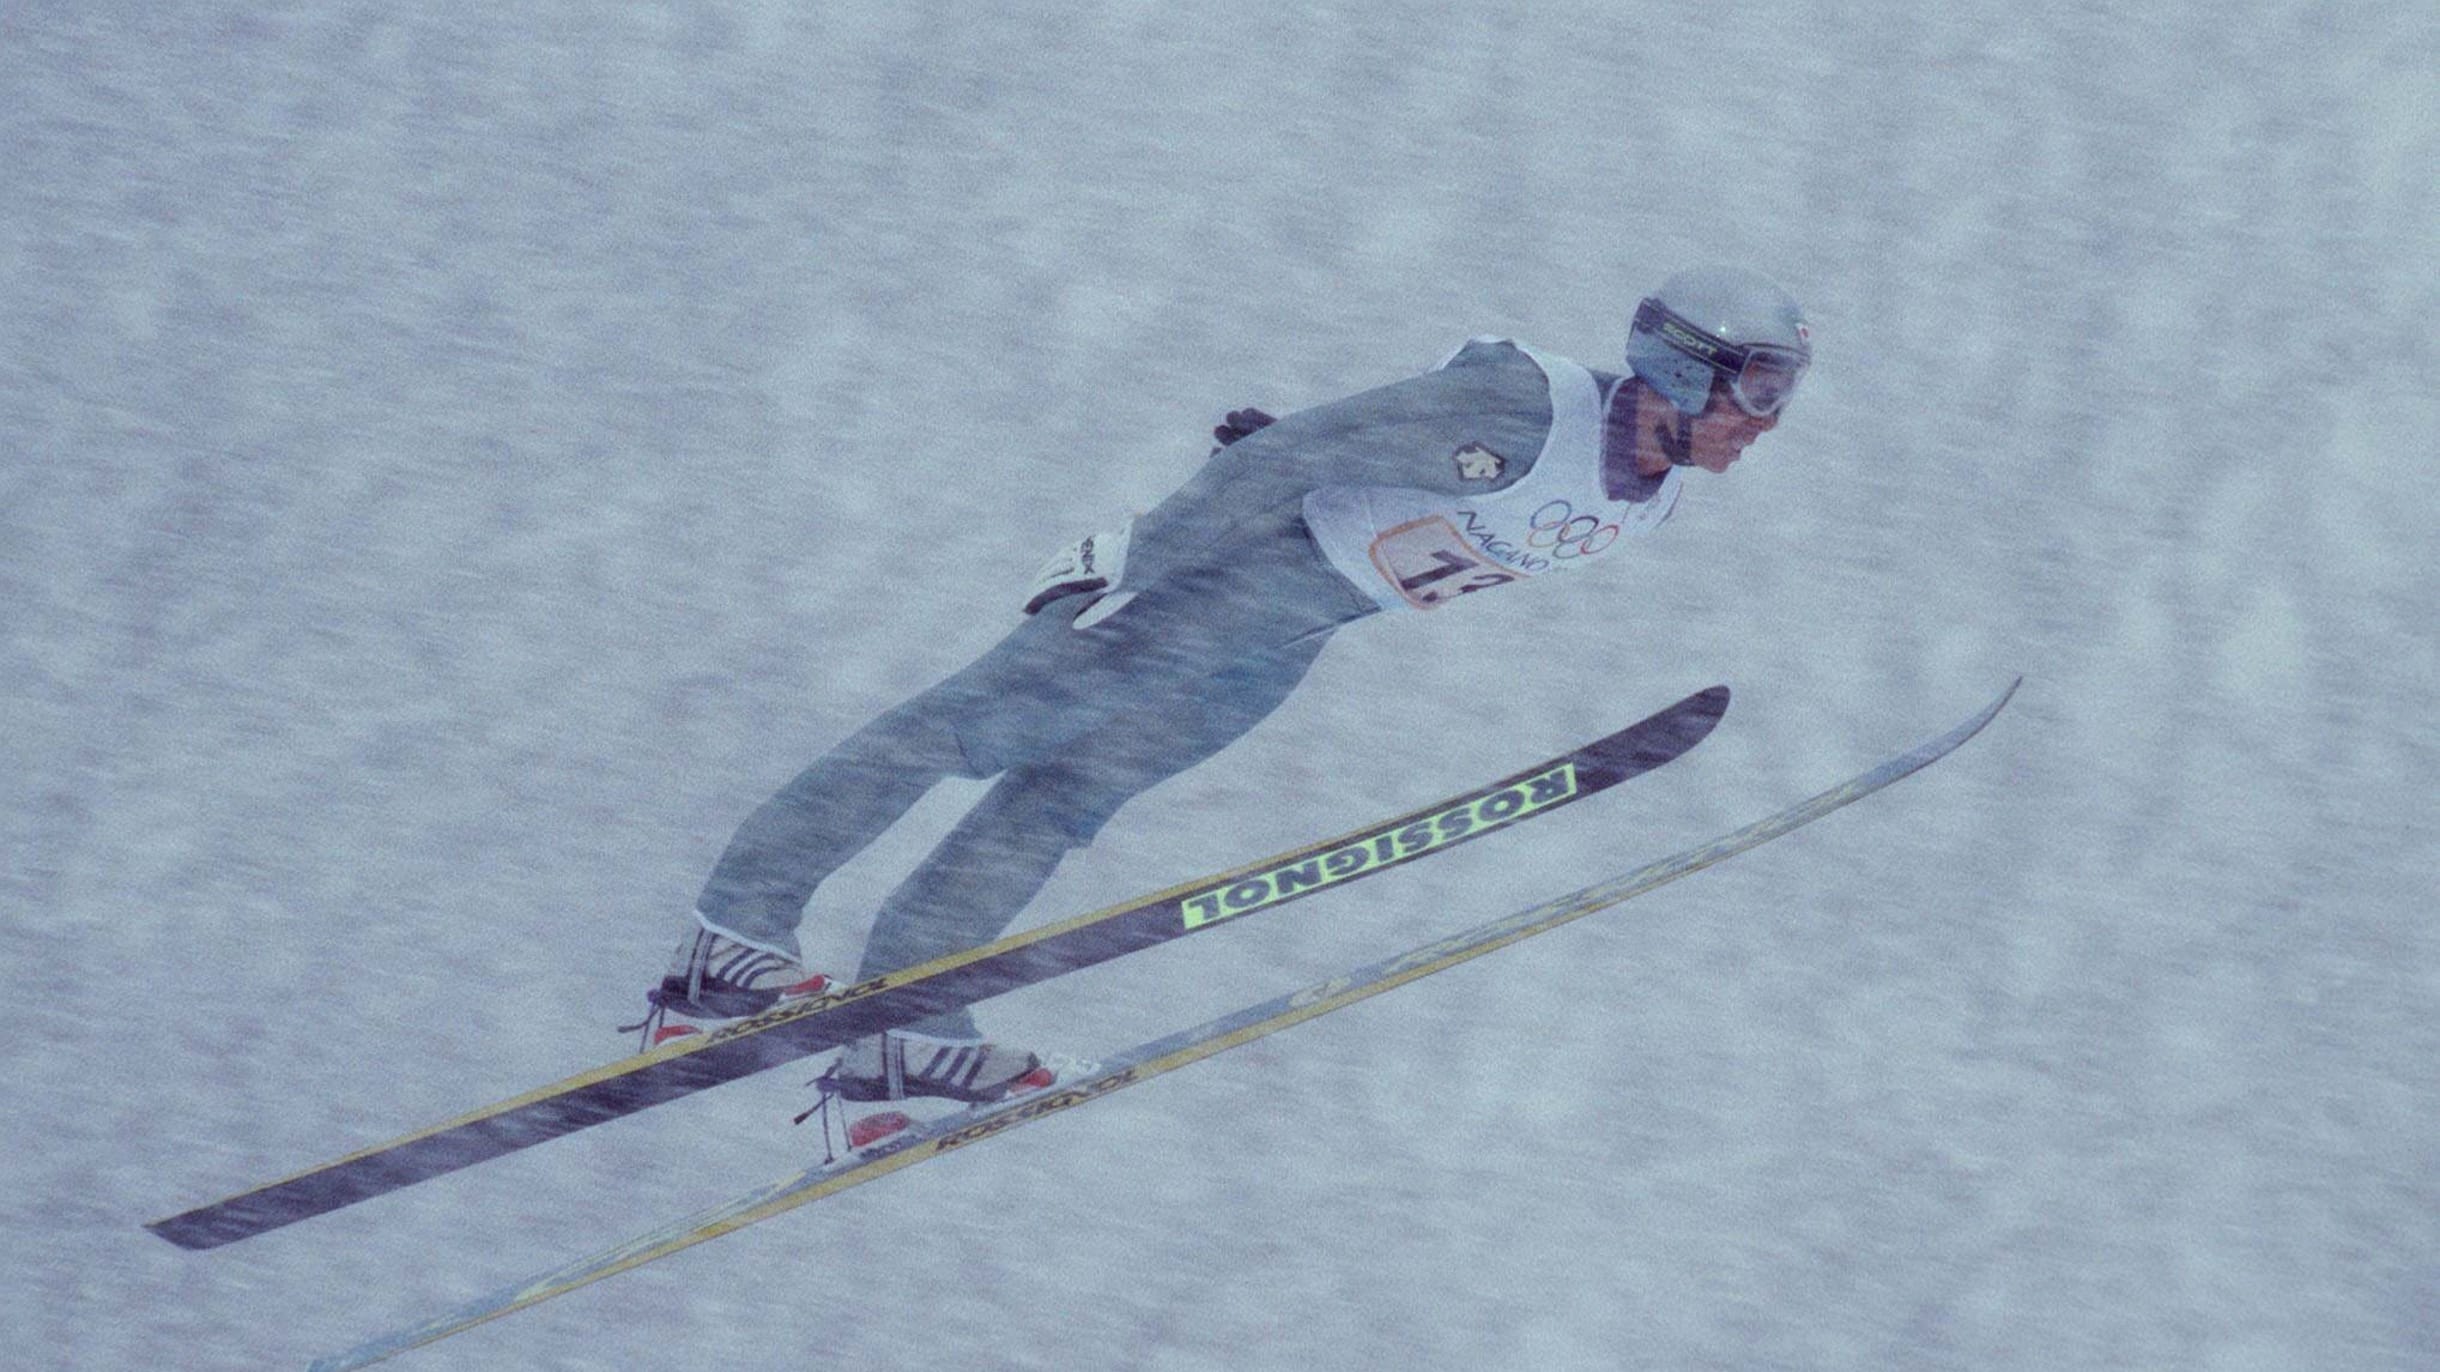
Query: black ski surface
point(1147, 1061)
point(800, 1028)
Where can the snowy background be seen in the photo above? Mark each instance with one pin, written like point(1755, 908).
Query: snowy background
point(458, 459)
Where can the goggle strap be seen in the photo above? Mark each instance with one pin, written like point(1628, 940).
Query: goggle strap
point(1730, 361)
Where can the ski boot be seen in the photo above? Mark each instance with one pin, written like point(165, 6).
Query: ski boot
point(898, 1065)
point(716, 979)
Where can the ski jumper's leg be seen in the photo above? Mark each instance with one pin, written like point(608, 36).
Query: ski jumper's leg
point(974, 883)
point(1045, 685)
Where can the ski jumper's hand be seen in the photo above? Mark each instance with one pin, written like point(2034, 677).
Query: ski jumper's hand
point(1090, 565)
point(1237, 424)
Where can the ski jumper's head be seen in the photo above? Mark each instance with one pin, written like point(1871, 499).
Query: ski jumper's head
point(1722, 348)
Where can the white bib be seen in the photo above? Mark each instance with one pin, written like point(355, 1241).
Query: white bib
point(1420, 549)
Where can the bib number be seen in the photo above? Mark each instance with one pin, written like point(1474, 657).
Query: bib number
point(1430, 564)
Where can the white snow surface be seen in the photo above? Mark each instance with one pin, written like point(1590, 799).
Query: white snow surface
point(455, 460)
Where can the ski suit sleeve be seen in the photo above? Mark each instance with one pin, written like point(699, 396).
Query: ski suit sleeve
point(1404, 434)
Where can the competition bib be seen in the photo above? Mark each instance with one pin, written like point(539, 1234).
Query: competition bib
point(1421, 549)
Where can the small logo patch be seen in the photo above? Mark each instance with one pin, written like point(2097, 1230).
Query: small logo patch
point(1478, 463)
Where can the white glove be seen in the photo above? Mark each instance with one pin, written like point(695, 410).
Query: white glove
point(1090, 564)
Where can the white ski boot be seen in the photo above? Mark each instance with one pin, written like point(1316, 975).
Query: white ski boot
point(933, 1074)
point(715, 979)
point(899, 1065)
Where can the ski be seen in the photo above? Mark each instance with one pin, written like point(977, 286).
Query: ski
point(799, 1028)
point(927, 1141)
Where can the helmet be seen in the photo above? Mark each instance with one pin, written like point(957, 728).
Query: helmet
point(1714, 323)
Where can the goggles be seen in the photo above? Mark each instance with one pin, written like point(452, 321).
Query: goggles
point(1760, 376)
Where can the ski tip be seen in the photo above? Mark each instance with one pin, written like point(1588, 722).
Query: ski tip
point(1969, 728)
point(1655, 740)
point(1703, 710)
point(1649, 742)
point(2004, 697)
point(1699, 711)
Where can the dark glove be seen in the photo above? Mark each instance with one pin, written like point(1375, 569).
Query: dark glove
point(1238, 424)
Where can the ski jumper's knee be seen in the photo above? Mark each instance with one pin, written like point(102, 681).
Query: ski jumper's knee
point(1073, 807)
point(1049, 804)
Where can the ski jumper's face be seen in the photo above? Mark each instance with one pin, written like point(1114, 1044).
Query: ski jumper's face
point(1719, 435)
point(1712, 440)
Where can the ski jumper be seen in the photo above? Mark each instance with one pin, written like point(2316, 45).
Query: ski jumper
point(1486, 470)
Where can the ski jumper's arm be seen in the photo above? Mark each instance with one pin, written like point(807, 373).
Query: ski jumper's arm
point(1404, 434)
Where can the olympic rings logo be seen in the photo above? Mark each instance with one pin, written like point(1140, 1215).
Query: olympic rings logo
point(1558, 527)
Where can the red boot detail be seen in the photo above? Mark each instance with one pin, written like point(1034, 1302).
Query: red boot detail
point(872, 1129)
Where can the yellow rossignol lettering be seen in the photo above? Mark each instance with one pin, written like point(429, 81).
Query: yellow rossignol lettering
point(1381, 848)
